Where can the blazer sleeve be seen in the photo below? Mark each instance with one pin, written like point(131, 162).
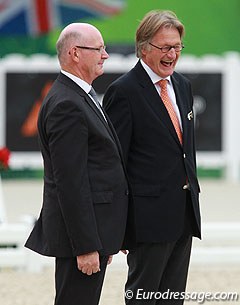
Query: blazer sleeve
point(117, 106)
point(67, 133)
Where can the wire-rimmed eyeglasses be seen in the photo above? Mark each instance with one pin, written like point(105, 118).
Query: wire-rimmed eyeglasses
point(165, 49)
point(100, 49)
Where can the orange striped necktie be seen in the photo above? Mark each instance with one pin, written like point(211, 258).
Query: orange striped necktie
point(168, 104)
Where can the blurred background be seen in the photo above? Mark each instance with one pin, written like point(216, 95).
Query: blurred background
point(28, 66)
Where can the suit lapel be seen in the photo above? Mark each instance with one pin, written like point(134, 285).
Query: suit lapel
point(181, 102)
point(154, 100)
point(117, 142)
point(107, 124)
point(84, 95)
point(80, 91)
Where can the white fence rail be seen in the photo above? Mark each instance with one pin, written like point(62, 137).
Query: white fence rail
point(220, 245)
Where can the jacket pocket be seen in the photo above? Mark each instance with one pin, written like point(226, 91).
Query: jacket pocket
point(102, 197)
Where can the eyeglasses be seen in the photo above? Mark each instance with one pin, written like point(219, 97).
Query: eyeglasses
point(100, 49)
point(165, 49)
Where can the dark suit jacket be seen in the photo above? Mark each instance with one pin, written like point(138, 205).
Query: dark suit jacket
point(85, 198)
point(158, 166)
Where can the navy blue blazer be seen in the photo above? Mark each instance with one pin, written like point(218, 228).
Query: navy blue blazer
point(158, 166)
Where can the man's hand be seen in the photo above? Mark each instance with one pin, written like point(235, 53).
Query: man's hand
point(89, 263)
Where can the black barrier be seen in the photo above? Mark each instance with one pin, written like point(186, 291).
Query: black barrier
point(207, 92)
point(25, 92)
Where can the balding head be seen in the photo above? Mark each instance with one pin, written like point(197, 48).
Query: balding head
point(73, 34)
point(81, 51)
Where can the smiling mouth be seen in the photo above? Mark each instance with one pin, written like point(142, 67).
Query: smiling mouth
point(166, 63)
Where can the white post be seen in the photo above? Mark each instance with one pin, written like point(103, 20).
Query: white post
point(231, 111)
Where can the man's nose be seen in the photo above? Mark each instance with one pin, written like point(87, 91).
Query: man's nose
point(105, 54)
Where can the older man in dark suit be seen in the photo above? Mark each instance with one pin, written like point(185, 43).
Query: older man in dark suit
point(151, 108)
point(85, 202)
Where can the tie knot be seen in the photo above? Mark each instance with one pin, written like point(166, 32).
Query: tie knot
point(163, 83)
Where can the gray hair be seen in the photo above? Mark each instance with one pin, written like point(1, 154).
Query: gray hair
point(65, 42)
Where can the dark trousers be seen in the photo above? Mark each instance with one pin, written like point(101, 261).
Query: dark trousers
point(157, 269)
point(160, 267)
point(75, 288)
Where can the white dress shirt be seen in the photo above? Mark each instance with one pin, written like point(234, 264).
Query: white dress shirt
point(155, 79)
point(85, 86)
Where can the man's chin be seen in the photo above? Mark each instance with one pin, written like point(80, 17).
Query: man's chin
point(100, 72)
point(166, 72)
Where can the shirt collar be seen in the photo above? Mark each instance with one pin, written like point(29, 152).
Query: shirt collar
point(153, 76)
point(80, 82)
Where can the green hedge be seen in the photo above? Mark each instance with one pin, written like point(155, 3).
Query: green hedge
point(27, 173)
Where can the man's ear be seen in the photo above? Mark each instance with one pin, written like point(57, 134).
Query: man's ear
point(74, 54)
point(144, 50)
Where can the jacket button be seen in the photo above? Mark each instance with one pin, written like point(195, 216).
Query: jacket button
point(127, 192)
point(186, 186)
point(184, 156)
